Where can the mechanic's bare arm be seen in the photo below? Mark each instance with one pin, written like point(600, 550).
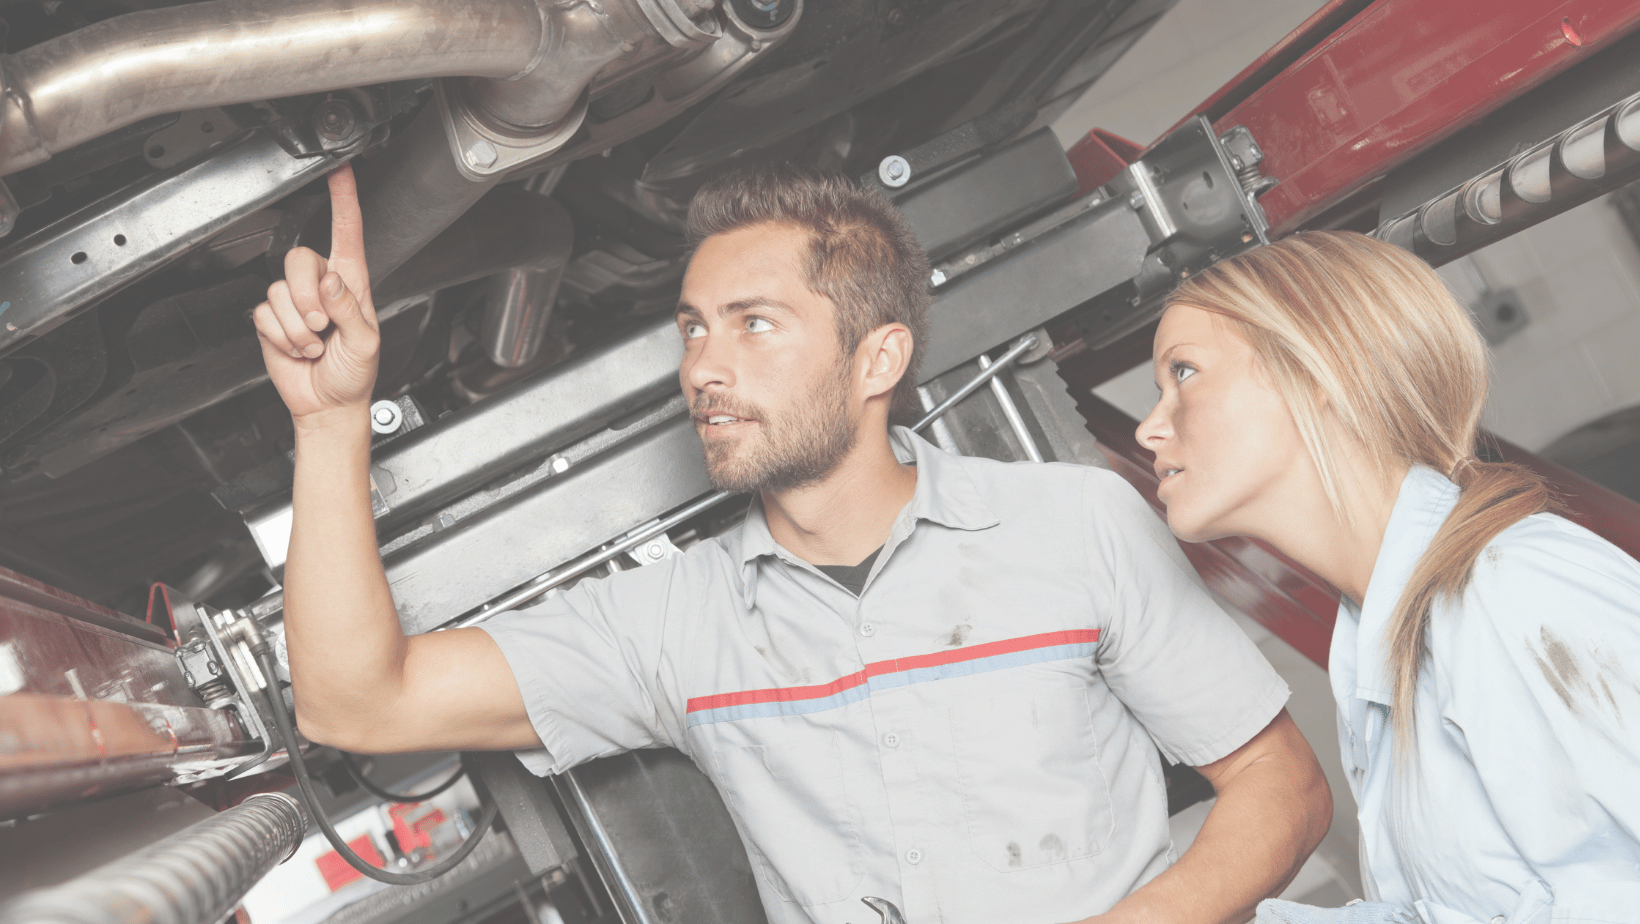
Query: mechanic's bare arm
point(1273, 808)
point(360, 684)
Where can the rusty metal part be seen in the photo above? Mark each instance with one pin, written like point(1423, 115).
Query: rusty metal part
point(93, 703)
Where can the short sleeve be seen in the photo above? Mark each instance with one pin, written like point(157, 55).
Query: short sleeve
point(1538, 678)
point(591, 665)
point(1186, 671)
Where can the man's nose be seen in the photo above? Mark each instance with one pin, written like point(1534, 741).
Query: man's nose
point(709, 365)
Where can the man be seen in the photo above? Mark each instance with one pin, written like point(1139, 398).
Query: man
point(923, 677)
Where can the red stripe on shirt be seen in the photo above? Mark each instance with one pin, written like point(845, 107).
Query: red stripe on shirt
point(894, 666)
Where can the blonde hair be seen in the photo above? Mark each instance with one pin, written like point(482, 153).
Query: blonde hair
point(1363, 339)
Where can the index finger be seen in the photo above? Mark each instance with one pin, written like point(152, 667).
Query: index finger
point(347, 229)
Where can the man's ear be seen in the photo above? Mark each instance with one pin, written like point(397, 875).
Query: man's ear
point(885, 353)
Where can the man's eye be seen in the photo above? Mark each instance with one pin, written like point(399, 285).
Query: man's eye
point(758, 326)
point(693, 329)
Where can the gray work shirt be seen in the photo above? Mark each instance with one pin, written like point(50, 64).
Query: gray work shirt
point(973, 738)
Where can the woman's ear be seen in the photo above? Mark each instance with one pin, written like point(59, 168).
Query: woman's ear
point(886, 352)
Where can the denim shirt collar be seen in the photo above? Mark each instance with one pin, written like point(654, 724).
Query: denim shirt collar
point(944, 495)
point(1425, 499)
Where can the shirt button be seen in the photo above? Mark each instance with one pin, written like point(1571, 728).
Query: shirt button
point(868, 629)
point(892, 740)
point(913, 856)
point(1500, 919)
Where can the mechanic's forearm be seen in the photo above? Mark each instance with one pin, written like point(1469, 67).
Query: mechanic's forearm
point(346, 648)
point(1259, 832)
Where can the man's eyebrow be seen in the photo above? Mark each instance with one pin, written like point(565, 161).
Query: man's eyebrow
point(742, 305)
point(686, 310)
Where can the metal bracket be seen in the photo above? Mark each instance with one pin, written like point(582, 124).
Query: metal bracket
point(483, 150)
point(214, 649)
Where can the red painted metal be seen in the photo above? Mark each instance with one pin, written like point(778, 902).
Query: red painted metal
point(1098, 157)
point(1311, 32)
point(1400, 77)
point(1598, 509)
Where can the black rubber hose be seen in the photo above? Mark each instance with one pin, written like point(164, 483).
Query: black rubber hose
point(287, 733)
point(380, 793)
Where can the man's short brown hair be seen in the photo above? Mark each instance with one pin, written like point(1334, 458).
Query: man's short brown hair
point(863, 255)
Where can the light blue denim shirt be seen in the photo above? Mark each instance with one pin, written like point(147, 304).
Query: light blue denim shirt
point(1523, 797)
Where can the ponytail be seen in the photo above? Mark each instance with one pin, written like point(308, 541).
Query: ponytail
point(1493, 496)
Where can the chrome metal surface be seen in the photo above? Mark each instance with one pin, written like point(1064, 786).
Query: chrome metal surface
point(888, 910)
point(608, 857)
point(1593, 156)
point(1010, 412)
point(385, 417)
point(122, 70)
point(520, 300)
point(49, 275)
point(1025, 344)
point(894, 171)
point(195, 876)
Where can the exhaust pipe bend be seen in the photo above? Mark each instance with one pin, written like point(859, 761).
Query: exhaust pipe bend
point(122, 70)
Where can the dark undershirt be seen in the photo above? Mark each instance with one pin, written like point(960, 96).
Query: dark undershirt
point(852, 577)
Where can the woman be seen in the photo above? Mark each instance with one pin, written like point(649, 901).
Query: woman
point(1323, 394)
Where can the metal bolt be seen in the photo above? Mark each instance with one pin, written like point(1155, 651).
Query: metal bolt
point(385, 416)
point(938, 278)
point(894, 171)
point(334, 120)
point(560, 465)
point(482, 154)
point(213, 667)
point(1136, 200)
point(655, 551)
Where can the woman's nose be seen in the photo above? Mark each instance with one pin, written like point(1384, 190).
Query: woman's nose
point(1155, 428)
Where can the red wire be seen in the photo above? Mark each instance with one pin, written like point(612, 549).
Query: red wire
point(166, 593)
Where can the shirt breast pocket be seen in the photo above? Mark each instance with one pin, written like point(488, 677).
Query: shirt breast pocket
point(1033, 791)
point(793, 809)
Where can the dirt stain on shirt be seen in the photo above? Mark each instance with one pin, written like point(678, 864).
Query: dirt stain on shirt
point(1568, 675)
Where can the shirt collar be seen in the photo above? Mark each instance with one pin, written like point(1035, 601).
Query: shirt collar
point(1425, 499)
point(945, 494)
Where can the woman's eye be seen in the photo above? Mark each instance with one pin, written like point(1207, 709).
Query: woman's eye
point(693, 329)
point(758, 326)
point(1182, 372)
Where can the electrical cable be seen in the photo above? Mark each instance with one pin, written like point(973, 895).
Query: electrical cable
point(380, 793)
point(287, 733)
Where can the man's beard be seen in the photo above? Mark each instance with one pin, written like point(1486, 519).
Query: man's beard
point(794, 450)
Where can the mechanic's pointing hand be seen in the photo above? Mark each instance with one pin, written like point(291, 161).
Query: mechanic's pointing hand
point(318, 372)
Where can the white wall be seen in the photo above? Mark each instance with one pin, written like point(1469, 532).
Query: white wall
point(1578, 359)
